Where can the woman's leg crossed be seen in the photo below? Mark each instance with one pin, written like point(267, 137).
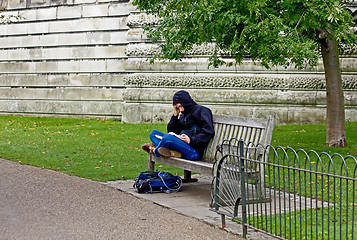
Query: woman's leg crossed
point(174, 143)
point(156, 136)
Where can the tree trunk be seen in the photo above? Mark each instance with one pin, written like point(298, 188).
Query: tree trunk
point(335, 111)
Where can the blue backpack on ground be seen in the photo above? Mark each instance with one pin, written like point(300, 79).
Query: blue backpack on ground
point(155, 181)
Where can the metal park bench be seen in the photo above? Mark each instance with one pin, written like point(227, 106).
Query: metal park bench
point(253, 130)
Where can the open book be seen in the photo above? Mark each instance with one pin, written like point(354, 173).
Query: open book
point(158, 136)
point(172, 133)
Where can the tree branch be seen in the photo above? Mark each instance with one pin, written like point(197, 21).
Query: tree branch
point(298, 25)
point(330, 10)
point(267, 14)
point(322, 33)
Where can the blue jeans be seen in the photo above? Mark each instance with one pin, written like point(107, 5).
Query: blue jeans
point(174, 143)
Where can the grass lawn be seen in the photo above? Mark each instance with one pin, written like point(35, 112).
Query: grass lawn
point(97, 150)
point(313, 137)
point(110, 150)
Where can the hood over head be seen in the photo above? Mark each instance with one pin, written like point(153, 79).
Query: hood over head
point(184, 99)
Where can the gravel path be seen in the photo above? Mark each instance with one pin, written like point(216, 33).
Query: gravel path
point(41, 204)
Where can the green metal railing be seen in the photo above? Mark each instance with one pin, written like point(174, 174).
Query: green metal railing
point(287, 193)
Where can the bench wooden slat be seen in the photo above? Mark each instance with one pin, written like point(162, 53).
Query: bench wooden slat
point(230, 130)
point(253, 135)
point(236, 130)
point(244, 133)
point(226, 135)
point(242, 121)
point(240, 132)
point(194, 166)
point(211, 148)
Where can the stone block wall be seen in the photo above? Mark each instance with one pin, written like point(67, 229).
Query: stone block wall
point(63, 58)
point(89, 58)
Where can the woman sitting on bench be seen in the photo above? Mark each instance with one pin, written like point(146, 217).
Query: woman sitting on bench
point(189, 130)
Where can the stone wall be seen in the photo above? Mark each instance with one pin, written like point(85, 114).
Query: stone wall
point(63, 57)
point(89, 58)
point(247, 89)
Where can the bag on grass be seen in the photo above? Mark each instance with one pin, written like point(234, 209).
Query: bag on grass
point(155, 181)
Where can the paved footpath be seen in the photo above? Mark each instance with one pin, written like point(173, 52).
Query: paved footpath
point(41, 204)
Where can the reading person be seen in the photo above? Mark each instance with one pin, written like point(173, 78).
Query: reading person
point(189, 130)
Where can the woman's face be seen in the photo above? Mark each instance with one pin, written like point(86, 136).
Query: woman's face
point(179, 107)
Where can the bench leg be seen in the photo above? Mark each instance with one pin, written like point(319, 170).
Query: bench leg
point(223, 218)
point(151, 164)
point(188, 178)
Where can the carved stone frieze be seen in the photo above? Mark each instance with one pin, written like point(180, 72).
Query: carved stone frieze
point(348, 50)
point(147, 50)
point(141, 20)
point(245, 82)
point(142, 50)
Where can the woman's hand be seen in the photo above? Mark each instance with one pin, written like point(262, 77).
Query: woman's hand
point(185, 138)
point(176, 111)
point(178, 108)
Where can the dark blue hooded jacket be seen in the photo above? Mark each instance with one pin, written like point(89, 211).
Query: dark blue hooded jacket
point(195, 121)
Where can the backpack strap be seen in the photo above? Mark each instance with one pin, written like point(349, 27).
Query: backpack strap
point(170, 190)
